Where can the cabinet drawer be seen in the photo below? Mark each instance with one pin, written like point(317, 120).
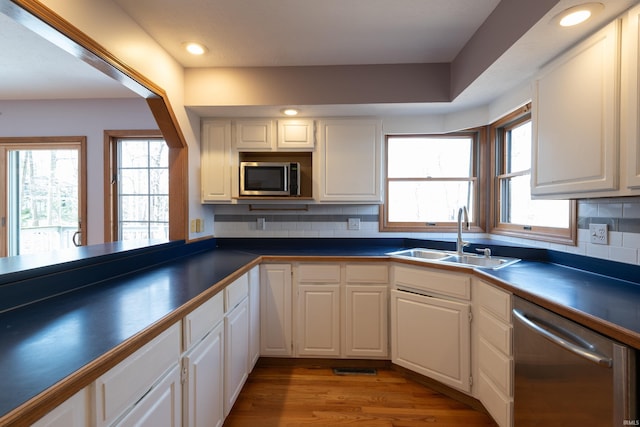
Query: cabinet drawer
point(201, 320)
point(497, 404)
point(497, 333)
point(236, 292)
point(319, 273)
point(121, 387)
point(496, 301)
point(450, 284)
point(367, 273)
point(496, 366)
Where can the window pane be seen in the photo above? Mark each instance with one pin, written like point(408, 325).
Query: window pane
point(158, 154)
point(134, 181)
point(423, 157)
point(432, 201)
point(133, 153)
point(134, 208)
point(520, 209)
point(159, 208)
point(134, 230)
point(159, 181)
point(519, 148)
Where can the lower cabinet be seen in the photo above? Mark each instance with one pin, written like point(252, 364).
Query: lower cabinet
point(74, 412)
point(236, 361)
point(203, 387)
point(432, 336)
point(276, 337)
point(318, 320)
point(366, 321)
point(254, 317)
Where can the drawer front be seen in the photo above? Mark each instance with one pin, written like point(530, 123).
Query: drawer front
point(203, 319)
point(236, 292)
point(450, 284)
point(122, 386)
point(367, 273)
point(319, 273)
point(497, 404)
point(496, 366)
point(495, 300)
point(497, 333)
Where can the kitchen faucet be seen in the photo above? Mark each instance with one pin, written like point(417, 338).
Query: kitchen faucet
point(460, 244)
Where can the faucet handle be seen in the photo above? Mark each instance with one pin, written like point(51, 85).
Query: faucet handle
point(485, 251)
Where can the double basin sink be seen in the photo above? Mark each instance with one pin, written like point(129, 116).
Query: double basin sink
point(445, 257)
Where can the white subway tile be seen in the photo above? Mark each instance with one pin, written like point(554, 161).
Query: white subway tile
point(610, 210)
point(627, 255)
point(631, 210)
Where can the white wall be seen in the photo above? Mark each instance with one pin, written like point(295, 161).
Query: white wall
point(88, 118)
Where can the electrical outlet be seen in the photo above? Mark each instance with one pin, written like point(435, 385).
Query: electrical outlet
point(261, 224)
point(353, 224)
point(192, 226)
point(598, 234)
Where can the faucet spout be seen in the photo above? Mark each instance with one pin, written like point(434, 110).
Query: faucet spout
point(460, 244)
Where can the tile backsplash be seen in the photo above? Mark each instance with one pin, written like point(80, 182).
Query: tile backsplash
point(622, 215)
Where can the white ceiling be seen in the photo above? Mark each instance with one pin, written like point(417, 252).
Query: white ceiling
point(298, 32)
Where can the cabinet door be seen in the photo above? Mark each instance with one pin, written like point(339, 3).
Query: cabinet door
point(275, 310)
point(348, 165)
point(236, 360)
point(633, 98)
point(215, 161)
point(576, 119)
point(204, 386)
point(366, 321)
point(161, 407)
point(254, 316)
point(296, 134)
point(432, 337)
point(319, 320)
point(74, 412)
point(254, 135)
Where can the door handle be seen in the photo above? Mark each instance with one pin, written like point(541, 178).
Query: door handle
point(75, 237)
point(583, 352)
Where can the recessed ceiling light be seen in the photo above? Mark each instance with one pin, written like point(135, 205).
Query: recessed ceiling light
point(577, 14)
point(290, 112)
point(195, 48)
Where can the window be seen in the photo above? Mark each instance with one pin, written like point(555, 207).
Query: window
point(139, 203)
point(516, 213)
point(430, 177)
point(42, 202)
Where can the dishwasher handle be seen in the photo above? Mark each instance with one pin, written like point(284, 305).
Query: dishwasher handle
point(580, 351)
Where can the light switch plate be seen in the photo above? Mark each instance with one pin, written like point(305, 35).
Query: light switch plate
point(261, 224)
point(353, 224)
point(598, 234)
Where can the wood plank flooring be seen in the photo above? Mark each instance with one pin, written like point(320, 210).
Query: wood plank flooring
point(286, 396)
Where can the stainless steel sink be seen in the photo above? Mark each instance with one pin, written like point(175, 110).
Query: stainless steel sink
point(421, 254)
point(446, 257)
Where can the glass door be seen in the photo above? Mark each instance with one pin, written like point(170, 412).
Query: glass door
point(43, 202)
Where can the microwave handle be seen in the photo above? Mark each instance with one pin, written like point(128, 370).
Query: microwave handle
point(286, 177)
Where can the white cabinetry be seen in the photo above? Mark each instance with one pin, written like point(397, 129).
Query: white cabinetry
point(318, 310)
point(276, 337)
point(366, 311)
point(348, 161)
point(203, 365)
point(494, 358)
point(254, 316)
point(236, 340)
point(216, 161)
point(576, 119)
point(254, 135)
point(150, 371)
point(296, 134)
point(631, 97)
point(430, 332)
point(74, 412)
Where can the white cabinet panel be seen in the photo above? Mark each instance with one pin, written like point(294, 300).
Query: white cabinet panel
point(236, 347)
point(432, 336)
point(74, 412)
point(201, 320)
point(632, 93)
point(319, 320)
point(216, 161)
point(236, 292)
point(347, 163)
point(296, 134)
point(161, 407)
point(254, 316)
point(366, 323)
point(275, 310)
point(203, 389)
point(254, 135)
point(576, 119)
point(441, 283)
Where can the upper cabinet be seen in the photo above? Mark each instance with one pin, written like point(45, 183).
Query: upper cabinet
point(631, 97)
point(272, 135)
point(347, 161)
point(254, 135)
point(296, 134)
point(576, 120)
point(216, 161)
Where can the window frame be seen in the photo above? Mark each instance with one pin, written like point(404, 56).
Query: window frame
point(497, 131)
point(111, 206)
point(477, 225)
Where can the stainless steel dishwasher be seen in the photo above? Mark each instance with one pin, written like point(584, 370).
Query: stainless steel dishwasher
point(566, 374)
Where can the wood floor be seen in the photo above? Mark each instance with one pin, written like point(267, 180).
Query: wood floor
point(288, 396)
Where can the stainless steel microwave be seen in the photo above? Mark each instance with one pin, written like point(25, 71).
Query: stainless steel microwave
point(269, 179)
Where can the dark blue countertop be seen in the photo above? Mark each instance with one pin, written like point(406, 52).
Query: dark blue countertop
point(43, 342)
